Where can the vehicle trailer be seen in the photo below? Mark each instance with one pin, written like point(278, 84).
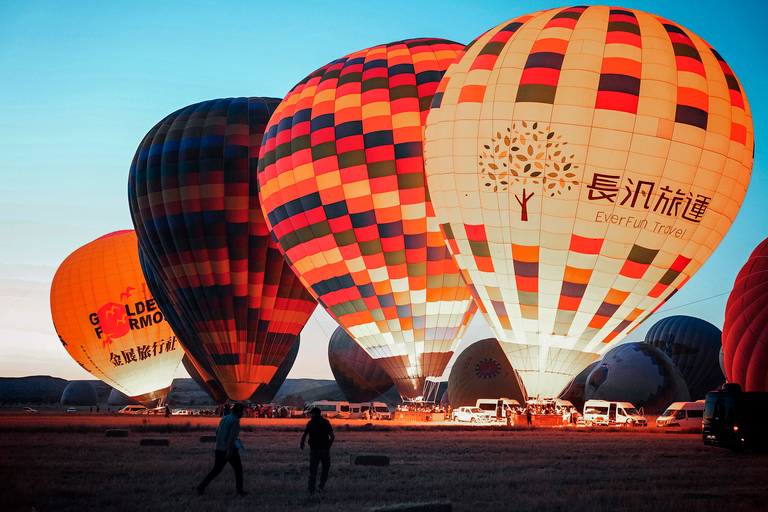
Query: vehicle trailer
point(736, 419)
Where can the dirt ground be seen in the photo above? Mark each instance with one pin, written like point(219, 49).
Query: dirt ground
point(62, 462)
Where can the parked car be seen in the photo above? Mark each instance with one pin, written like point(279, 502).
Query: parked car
point(71, 409)
point(470, 414)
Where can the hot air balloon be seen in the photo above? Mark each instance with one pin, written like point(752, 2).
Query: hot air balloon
point(694, 346)
point(638, 373)
point(209, 384)
point(583, 163)
point(265, 393)
point(574, 390)
point(342, 187)
point(358, 375)
point(745, 330)
point(193, 198)
point(108, 321)
point(79, 392)
point(194, 360)
point(483, 371)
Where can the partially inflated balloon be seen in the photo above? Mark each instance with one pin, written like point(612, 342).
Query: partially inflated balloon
point(638, 373)
point(359, 376)
point(694, 346)
point(483, 371)
point(193, 198)
point(108, 321)
point(574, 390)
point(584, 162)
point(342, 185)
point(745, 331)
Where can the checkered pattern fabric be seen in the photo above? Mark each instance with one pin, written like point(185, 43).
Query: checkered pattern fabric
point(193, 197)
point(342, 187)
point(584, 162)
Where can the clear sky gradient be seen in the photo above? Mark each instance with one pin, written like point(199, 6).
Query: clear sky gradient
point(82, 82)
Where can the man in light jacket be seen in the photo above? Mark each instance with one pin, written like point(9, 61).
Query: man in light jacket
point(226, 451)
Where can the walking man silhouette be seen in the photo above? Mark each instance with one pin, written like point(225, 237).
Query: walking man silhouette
point(321, 438)
point(226, 450)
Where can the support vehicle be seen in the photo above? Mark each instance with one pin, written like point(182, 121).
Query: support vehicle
point(682, 414)
point(496, 408)
point(604, 412)
point(736, 419)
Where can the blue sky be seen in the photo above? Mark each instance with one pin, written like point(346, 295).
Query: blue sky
point(82, 82)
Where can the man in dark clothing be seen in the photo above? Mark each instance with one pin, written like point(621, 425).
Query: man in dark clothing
point(321, 438)
point(226, 450)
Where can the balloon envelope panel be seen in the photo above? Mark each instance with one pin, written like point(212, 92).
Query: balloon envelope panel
point(342, 187)
point(583, 163)
point(193, 197)
point(574, 390)
point(694, 346)
point(79, 393)
point(359, 376)
point(638, 373)
point(745, 330)
point(483, 371)
point(108, 320)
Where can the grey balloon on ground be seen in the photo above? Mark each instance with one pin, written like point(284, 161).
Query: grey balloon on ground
point(79, 392)
point(638, 373)
point(694, 347)
point(359, 376)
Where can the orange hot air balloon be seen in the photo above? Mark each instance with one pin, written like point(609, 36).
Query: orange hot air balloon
point(584, 162)
point(108, 321)
point(341, 183)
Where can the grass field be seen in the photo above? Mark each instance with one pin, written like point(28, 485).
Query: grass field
point(63, 462)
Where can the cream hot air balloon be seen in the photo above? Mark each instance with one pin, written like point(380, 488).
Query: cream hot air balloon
point(584, 162)
point(109, 322)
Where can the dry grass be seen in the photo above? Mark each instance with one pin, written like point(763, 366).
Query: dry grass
point(58, 462)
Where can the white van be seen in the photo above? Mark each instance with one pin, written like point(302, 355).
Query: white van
point(682, 414)
point(331, 409)
point(132, 409)
point(496, 408)
point(378, 410)
point(603, 412)
point(355, 411)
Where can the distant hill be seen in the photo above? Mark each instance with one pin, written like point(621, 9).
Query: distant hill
point(43, 389)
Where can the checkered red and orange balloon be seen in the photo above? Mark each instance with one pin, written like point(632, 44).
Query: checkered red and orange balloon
point(583, 163)
point(341, 177)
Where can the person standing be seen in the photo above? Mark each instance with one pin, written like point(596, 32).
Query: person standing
point(321, 438)
point(226, 451)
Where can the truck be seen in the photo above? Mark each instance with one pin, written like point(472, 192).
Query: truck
point(736, 419)
point(683, 415)
point(604, 412)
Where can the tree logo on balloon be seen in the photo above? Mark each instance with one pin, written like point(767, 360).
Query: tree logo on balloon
point(527, 155)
